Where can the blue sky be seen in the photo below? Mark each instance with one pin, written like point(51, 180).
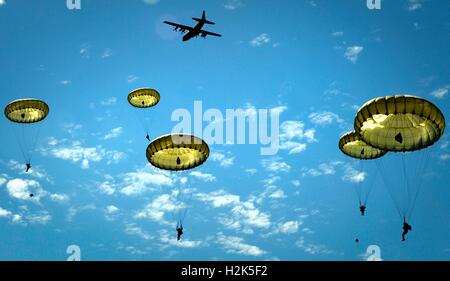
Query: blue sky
point(316, 61)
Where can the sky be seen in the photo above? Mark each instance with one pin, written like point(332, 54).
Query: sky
point(313, 61)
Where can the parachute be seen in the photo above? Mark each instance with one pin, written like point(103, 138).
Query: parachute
point(26, 114)
point(142, 99)
point(352, 145)
point(400, 123)
point(407, 125)
point(177, 152)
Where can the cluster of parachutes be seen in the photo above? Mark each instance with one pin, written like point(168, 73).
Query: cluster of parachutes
point(173, 152)
point(403, 125)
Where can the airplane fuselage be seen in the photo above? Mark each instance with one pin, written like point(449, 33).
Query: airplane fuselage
point(194, 32)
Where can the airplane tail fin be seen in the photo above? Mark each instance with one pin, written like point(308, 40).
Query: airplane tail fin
point(203, 19)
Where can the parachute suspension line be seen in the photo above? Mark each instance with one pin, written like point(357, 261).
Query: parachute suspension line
point(36, 136)
point(423, 165)
point(407, 186)
point(371, 184)
point(358, 185)
point(396, 203)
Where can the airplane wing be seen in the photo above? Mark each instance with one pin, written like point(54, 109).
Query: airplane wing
point(179, 26)
point(204, 33)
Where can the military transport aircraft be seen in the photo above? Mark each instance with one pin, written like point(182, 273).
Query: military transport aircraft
point(194, 31)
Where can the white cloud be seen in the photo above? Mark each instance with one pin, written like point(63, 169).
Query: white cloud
point(76, 153)
point(73, 211)
point(65, 82)
point(295, 183)
point(414, 5)
point(203, 176)
point(84, 51)
point(140, 181)
point(337, 33)
point(22, 188)
point(2, 2)
point(278, 194)
point(161, 205)
point(352, 53)
point(113, 133)
point(251, 171)
point(243, 215)
point(260, 40)
point(352, 175)
point(170, 240)
point(324, 169)
point(289, 227)
point(132, 78)
point(225, 160)
point(237, 245)
point(218, 198)
point(2, 180)
point(445, 157)
point(71, 128)
point(60, 198)
point(111, 209)
point(109, 101)
point(4, 213)
point(133, 229)
point(324, 118)
point(35, 171)
point(39, 218)
point(106, 53)
point(232, 5)
point(312, 249)
point(441, 92)
point(293, 136)
point(275, 165)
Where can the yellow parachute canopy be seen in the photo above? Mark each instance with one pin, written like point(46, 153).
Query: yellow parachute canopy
point(352, 145)
point(26, 111)
point(177, 152)
point(399, 123)
point(144, 98)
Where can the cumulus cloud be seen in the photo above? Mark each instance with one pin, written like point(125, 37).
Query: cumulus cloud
point(22, 188)
point(76, 153)
point(232, 5)
point(159, 206)
point(203, 176)
point(35, 171)
point(109, 101)
point(324, 169)
point(225, 160)
point(106, 53)
point(237, 245)
point(275, 165)
point(294, 137)
point(414, 5)
point(243, 215)
point(441, 92)
point(337, 33)
point(289, 227)
point(311, 248)
point(113, 133)
point(325, 118)
point(167, 239)
point(140, 181)
point(260, 40)
point(218, 198)
point(352, 53)
point(352, 175)
point(133, 229)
